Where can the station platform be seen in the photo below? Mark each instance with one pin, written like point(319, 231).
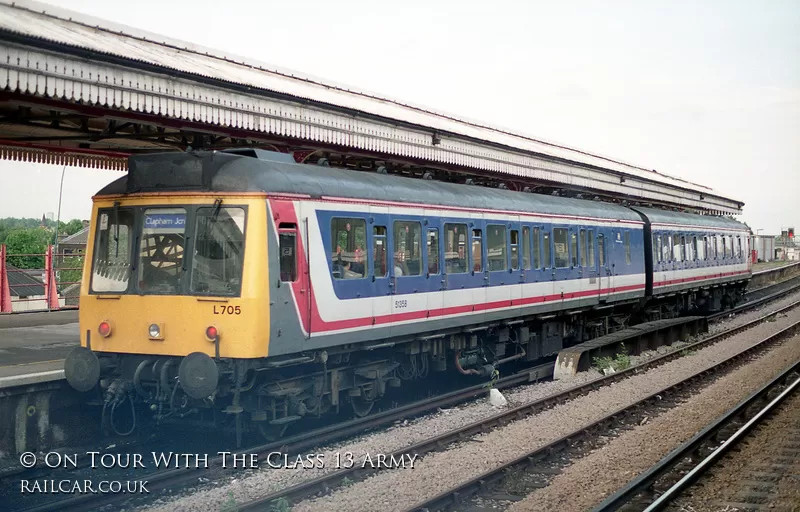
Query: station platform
point(32, 354)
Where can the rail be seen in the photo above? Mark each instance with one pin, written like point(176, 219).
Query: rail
point(456, 495)
point(709, 435)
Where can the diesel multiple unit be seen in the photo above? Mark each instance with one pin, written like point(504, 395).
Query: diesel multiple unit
point(242, 288)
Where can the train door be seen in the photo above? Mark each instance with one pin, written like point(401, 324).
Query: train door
point(497, 262)
point(605, 261)
point(381, 257)
point(456, 278)
point(517, 269)
point(407, 272)
point(563, 282)
point(479, 276)
point(586, 239)
point(434, 285)
point(295, 266)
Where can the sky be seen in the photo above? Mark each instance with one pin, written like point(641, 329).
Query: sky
point(706, 91)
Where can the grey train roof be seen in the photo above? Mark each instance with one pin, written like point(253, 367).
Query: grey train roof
point(227, 171)
point(688, 219)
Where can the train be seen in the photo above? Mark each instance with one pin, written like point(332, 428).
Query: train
point(241, 289)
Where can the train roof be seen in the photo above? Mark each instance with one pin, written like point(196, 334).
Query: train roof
point(265, 171)
point(688, 219)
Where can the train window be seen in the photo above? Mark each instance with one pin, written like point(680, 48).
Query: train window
point(218, 251)
point(514, 249)
point(583, 247)
point(455, 248)
point(591, 247)
point(161, 250)
point(677, 248)
point(627, 247)
point(656, 249)
point(560, 248)
point(716, 246)
point(433, 251)
point(729, 246)
point(526, 247)
point(477, 250)
point(738, 247)
point(602, 256)
point(112, 251)
point(701, 249)
point(287, 245)
point(707, 247)
point(537, 250)
point(496, 258)
point(545, 249)
point(573, 248)
point(407, 248)
point(379, 249)
point(683, 248)
point(691, 248)
point(348, 241)
point(666, 247)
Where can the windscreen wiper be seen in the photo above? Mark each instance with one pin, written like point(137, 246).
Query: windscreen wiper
point(116, 229)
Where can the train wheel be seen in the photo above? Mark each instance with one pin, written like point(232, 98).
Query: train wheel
point(361, 405)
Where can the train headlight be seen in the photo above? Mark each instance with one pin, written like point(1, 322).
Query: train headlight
point(212, 333)
point(154, 331)
point(104, 329)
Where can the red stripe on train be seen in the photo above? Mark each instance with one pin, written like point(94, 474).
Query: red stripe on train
point(283, 211)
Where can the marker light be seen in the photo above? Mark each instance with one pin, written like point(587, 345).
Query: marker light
point(154, 331)
point(104, 329)
point(212, 333)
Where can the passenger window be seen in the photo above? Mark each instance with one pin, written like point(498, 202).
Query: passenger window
point(716, 246)
point(590, 241)
point(677, 248)
point(433, 251)
point(701, 249)
point(691, 245)
point(455, 251)
point(560, 248)
point(546, 250)
point(573, 248)
point(683, 248)
point(379, 251)
point(537, 252)
point(407, 248)
point(738, 247)
point(287, 238)
point(707, 248)
point(526, 247)
point(656, 248)
point(601, 250)
point(583, 247)
point(627, 247)
point(496, 258)
point(477, 250)
point(348, 240)
point(666, 247)
point(514, 249)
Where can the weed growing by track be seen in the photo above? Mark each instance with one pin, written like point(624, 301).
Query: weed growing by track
point(617, 363)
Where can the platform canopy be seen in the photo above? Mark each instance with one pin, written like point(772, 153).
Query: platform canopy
point(84, 91)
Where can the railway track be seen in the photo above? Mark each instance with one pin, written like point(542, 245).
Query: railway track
point(174, 478)
point(333, 479)
point(541, 459)
point(659, 486)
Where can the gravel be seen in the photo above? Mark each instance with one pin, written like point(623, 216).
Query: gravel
point(439, 471)
point(593, 477)
point(252, 484)
point(723, 484)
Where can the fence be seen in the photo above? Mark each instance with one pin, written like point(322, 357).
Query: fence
point(54, 283)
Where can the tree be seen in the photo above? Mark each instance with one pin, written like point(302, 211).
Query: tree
point(27, 241)
point(71, 227)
